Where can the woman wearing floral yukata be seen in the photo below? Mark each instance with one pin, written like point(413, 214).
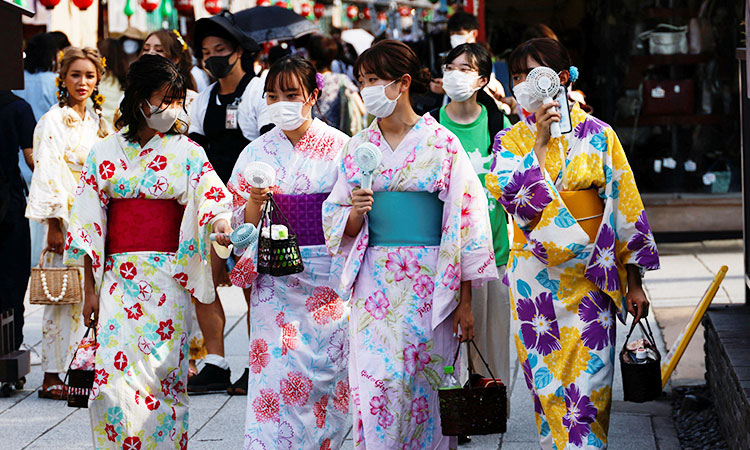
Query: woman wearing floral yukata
point(581, 241)
point(298, 392)
point(145, 206)
point(413, 250)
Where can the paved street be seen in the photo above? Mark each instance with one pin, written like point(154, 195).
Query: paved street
point(217, 421)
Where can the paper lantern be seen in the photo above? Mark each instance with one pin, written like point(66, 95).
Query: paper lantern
point(212, 6)
point(319, 9)
point(264, 3)
point(149, 5)
point(404, 11)
point(305, 9)
point(83, 5)
point(166, 9)
point(128, 10)
point(281, 4)
point(382, 17)
point(183, 6)
point(367, 13)
point(352, 12)
point(49, 4)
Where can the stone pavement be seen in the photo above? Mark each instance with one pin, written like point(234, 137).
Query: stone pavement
point(217, 421)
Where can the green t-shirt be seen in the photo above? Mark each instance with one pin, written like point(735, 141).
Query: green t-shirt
point(475, 139)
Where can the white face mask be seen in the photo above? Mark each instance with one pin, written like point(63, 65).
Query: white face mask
point(376, 102)
point(161, 121)
point(287, 115)
point(459, 86)
point(524, 96)
point(458, 39)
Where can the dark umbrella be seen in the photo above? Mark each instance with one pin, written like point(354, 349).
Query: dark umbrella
point(267, 23)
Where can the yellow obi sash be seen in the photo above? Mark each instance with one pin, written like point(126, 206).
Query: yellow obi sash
point(585, 206)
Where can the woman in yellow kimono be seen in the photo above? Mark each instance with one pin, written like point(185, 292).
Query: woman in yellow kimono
point(581, 242)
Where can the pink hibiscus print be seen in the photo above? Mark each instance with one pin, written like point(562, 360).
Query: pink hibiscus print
point(377, 305)
point(452, 277)
point(403, 264)
point(467, 214)
point(416, 358)
point(423, 286)
point(378, 404)
point(419, 410)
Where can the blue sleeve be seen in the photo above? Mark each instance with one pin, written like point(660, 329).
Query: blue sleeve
point(26, 124)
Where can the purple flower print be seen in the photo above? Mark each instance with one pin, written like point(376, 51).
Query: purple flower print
point(416, 358)
point(403, 264)
point(497, 144)
point(385, 419)
point(602, 268)
point(529, 377)
point(526, 194)
point(578, 415)
point(419, 410)
point(589, 127)
point(643, 244)
point(539, 324)
point(538, 250)
point(377, 305)
point(597, 310)
point(530, 119)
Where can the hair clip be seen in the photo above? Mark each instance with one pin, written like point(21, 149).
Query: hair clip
point(573, 74)
point(181, 40)
point(319, 80)
point(104, 62)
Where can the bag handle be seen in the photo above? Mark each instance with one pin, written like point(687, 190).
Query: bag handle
point(647, 333)
point(41, 257)
point(471, 365)
point(271, 210)
point(88, 329)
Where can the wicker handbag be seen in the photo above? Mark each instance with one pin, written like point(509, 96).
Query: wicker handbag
point(641, 382)
point(472, 410)
point(54, 285)
point(80, 376)
point(277, 257)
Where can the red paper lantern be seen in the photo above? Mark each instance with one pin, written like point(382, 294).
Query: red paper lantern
point(367, 13)
point(426, 12)
point(281, 4)
point(183, 6)
point(352, 12)
point(264, 3)
point(83, 5)
point(212, 6)
point(49, 4)
point(319, 9)
point(305, 9)
point(404, 11)
point(382, 17)
point(149, 5)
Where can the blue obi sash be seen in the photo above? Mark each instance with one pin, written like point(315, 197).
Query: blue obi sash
point(406, 219)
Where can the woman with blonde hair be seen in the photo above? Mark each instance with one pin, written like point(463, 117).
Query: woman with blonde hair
point(62, 140)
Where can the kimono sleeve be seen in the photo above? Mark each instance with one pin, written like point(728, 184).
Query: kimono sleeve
point(529, 195)
point(87, 229)
point(245, 270)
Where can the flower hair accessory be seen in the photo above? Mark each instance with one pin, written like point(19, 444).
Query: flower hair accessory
point(319, 81)
point(181, 40)
point(573, 74)
point(104, 62)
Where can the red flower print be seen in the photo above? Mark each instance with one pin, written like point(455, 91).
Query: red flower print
point(144, 290)
point(145, 152)
point(259, 357)
point(121, 361)
point(157, 164)
point(181, 278)
point(134, 312)
point(131, 443)
point(100, 376)
point(98, 229)
point(111, 433)
point(325, 305)
point(96, 262)
point(151, 403)
point(266, 406)
point(295, 390)
point(128, 270)
point(106, 170)
point(183, 441)
point(165, 330)
point(162, 299)
point(244, 272)
point(159, 186)
point(326, 445)
point(341, 402)
point(109, 263)
point(467, 216)
point(215, 193)
point(123, 164)
point(319, 409)
point(206, 218)
point(114, 285)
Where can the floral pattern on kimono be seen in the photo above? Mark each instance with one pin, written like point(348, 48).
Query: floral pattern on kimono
point(566, 291)
point(298, 392)
point(403, 297)
point(139, 396)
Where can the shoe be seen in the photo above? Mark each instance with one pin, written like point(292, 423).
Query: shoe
point(239, 387)
point(211, 379)
point(464, 440)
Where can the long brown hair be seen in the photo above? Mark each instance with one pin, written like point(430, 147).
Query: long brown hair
point(391, 60)
point(547, 52)
point(69, 56)
point(176, 48)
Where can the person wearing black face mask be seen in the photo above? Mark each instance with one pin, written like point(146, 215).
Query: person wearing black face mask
point(222, 124)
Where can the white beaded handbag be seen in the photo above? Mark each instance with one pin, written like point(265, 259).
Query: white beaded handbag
point(54, 286)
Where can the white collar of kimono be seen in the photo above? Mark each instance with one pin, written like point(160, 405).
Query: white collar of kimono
point(133, 149)
point(71, 117)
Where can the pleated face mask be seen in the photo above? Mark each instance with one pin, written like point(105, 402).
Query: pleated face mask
point(376, 102)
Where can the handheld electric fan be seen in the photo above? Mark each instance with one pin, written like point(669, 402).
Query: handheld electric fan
point(545, 84)
point(260, 175)
point(242, 237)
point(367, 157)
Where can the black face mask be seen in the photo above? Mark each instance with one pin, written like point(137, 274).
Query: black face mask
point(219, 65)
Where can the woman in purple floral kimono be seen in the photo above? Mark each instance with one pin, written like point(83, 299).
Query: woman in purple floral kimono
point(581, 241)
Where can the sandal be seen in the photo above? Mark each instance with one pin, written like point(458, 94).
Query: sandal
point(55, 392)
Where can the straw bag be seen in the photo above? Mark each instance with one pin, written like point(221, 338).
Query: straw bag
point(54, 285)
point(277, 257)
point(80, 376)
point(473, 410)
point(641, 382)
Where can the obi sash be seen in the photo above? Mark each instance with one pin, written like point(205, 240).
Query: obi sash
point(143, 225)
point(585, 206)
point(305, 215)
point(406, 219)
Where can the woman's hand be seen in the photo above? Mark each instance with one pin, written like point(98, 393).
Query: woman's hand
point(463, 315)
point(254, 205)
point(55, 238)
point(545, 116)
point(223, 230)
point(637, 303)
point(362, 204)
point(258, 196)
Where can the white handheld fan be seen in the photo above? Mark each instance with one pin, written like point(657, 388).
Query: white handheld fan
point(367, 157)
point(260, 175)
point(545, 84)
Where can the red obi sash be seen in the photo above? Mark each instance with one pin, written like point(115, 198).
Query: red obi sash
point(138, 225)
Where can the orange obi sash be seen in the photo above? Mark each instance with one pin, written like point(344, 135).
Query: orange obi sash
point(138, 224)
point(585, 206)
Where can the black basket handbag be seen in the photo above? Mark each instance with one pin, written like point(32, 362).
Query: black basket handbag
point(80, 381)
point(641, 382)
point(277, 257)
point(471, 411)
